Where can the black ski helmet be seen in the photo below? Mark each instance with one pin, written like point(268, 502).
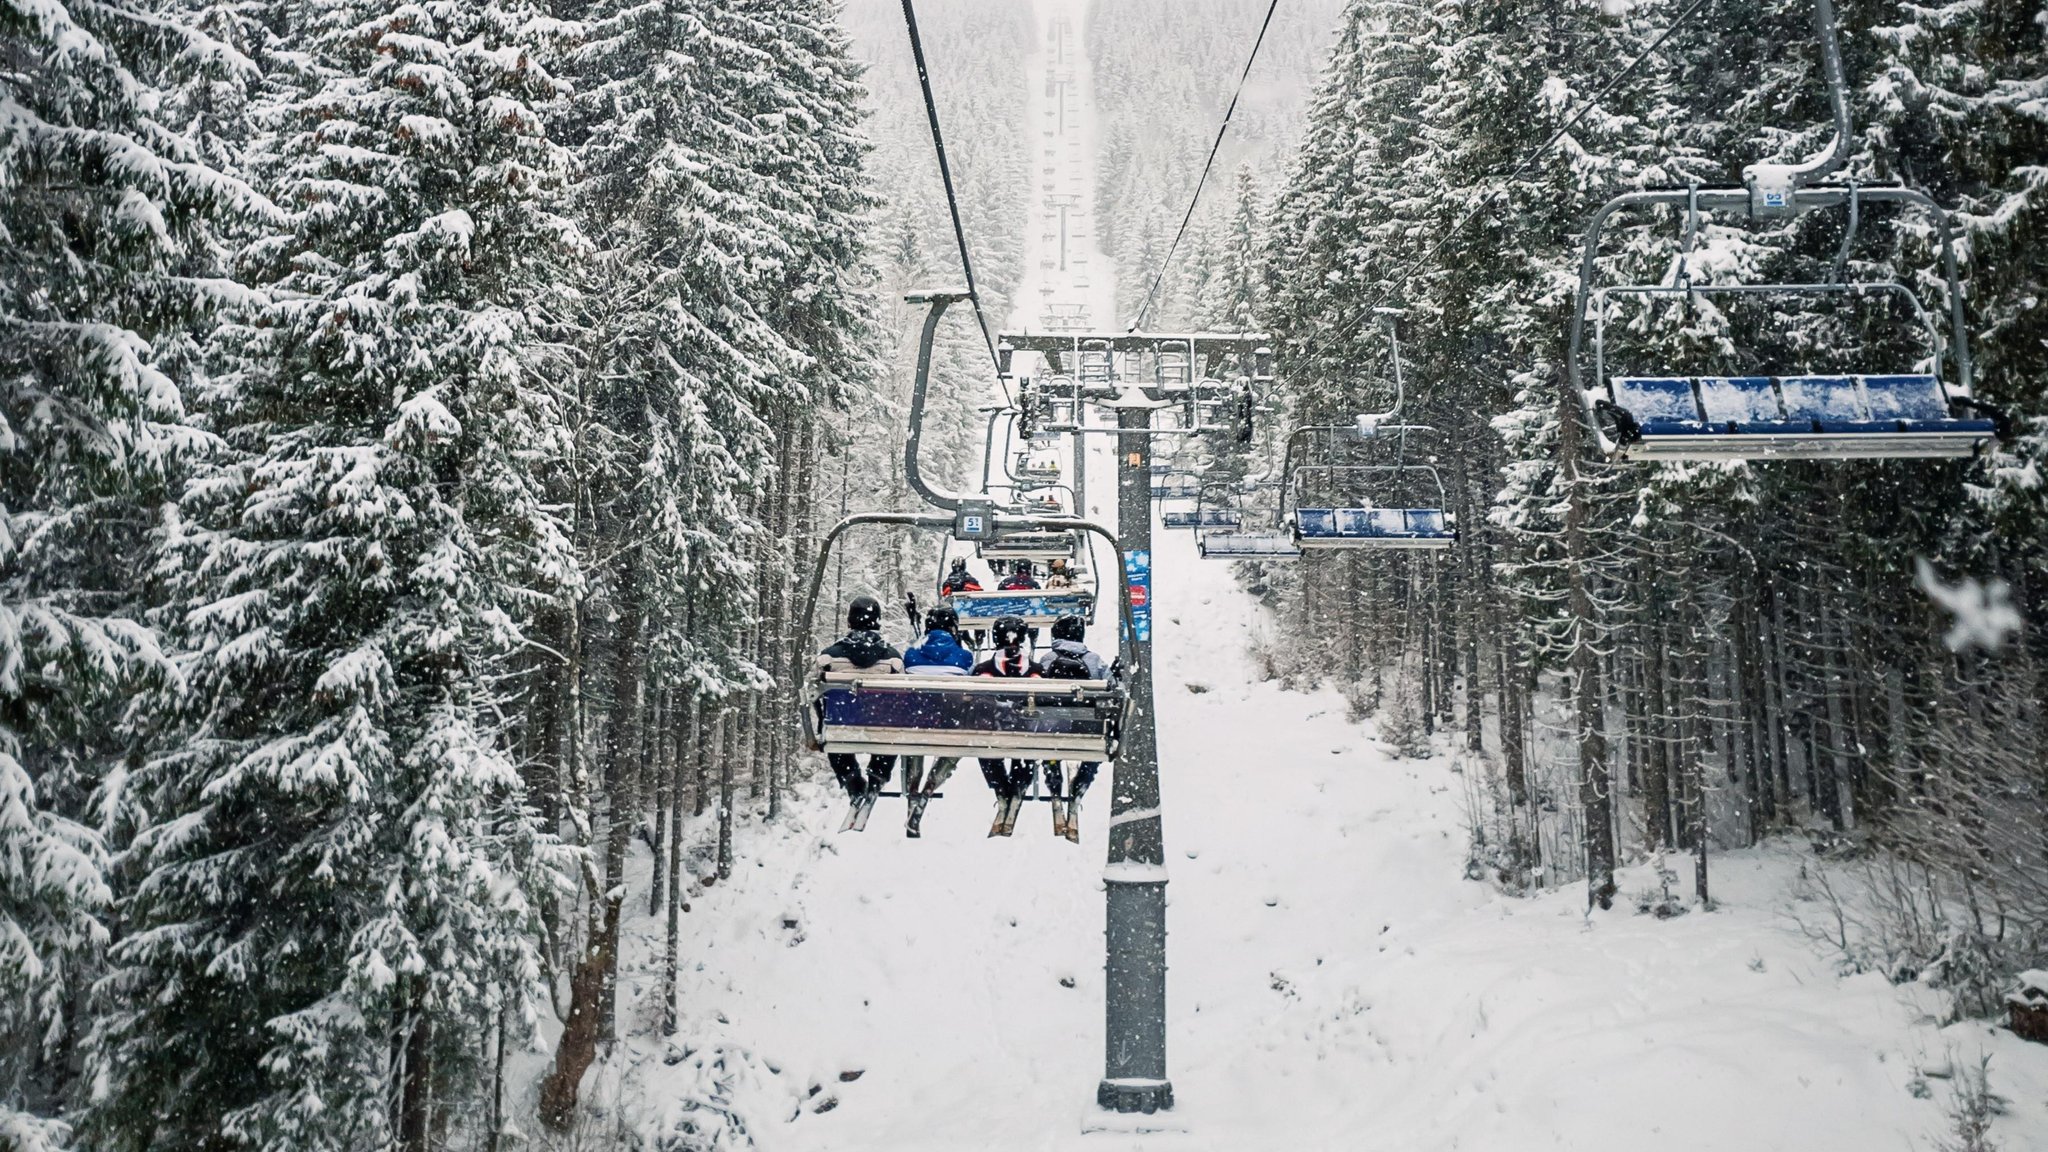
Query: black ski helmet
point(960, 565)
point(1022, 568)
point(941, 619)
point(1070, 627)
point(1010, 632)
point(864, 614)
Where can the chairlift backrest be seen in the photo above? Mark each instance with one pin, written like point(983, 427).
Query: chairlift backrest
point(1738, 398)
point(1650, 398)
point(1909, 397)
point(1823, 398)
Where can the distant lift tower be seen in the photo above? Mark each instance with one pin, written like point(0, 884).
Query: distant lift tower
point(1196, 384)
point(1063, 203)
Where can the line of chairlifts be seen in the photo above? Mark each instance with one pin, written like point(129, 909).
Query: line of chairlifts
point(870, 686)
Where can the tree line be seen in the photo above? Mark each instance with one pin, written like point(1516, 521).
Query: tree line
point(410, 416)
point(1649, 660)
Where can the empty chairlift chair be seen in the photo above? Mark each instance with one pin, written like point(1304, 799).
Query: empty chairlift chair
point(1376, 526)
point(1248, 545)
point(1205, 513)
point(1844, 414)
point(1792, 417)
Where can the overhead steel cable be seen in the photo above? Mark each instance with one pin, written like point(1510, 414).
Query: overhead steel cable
point(931, 111)
point(1146, 308)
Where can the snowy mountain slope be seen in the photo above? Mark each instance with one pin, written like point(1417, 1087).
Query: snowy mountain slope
point(1334, 982)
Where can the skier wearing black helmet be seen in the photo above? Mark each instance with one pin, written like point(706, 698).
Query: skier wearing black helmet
point(1007, 778)
point(862, 649)
point(1070, 659)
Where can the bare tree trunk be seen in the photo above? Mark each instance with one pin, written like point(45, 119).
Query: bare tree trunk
point(660, 764)
point(727, 740)
point(1596, 787)
point(672, 955)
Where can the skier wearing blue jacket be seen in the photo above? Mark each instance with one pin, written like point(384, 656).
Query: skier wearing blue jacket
point(940, 653)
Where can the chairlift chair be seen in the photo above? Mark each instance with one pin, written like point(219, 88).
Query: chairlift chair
point(1391, 517)
point(1372, 526)
point(870, 713)
point(1176, 484)
point(1037, 465)
point(1203, 515)
point(1916, 410)
point(1028, 545)
point(1254, 544)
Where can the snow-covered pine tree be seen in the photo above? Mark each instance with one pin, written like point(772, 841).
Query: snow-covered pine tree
point(333, 900)
point(723, 190)
point(108, 223)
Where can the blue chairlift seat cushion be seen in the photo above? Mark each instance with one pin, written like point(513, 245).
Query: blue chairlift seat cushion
point(1823, 400)
point(1912, 398)
point(1050, 604)
point(1270, 545)
point(1762, 406)
point(1316, 522)
point(1664, 401)
point(1372, 523)
point(1739, 400)
point(1206, 518)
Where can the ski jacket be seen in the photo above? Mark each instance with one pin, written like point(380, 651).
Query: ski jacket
point(1017, 583)
point(1070, 656)
point(860, 652)
point(1007, 665)
point(968, 585)
point(938, 654)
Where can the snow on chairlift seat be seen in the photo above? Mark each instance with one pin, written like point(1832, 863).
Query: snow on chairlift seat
point(980, 609)
point(1373, 528)
point(1794, 417)
point(1029, 546)
point(1176, 487)
point(1247, 546)
point(909, 715)
point(1205, 518)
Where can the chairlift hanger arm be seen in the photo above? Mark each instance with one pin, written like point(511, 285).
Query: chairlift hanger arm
point(937, 303)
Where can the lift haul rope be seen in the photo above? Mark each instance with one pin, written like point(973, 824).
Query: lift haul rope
point(1214, 148)
point(931, 111)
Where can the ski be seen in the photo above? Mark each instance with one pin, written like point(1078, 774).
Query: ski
point(862, 809)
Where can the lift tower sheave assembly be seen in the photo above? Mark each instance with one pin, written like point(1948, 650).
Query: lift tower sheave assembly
point(1201, 383)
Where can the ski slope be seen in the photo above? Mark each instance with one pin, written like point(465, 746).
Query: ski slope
point(1335, 982)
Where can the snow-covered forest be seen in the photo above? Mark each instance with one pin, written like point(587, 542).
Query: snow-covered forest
point(419, 421)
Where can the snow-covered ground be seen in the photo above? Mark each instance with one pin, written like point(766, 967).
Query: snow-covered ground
point(1335, 982)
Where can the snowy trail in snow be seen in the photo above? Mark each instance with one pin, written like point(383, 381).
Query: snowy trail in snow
point(1335, 983)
